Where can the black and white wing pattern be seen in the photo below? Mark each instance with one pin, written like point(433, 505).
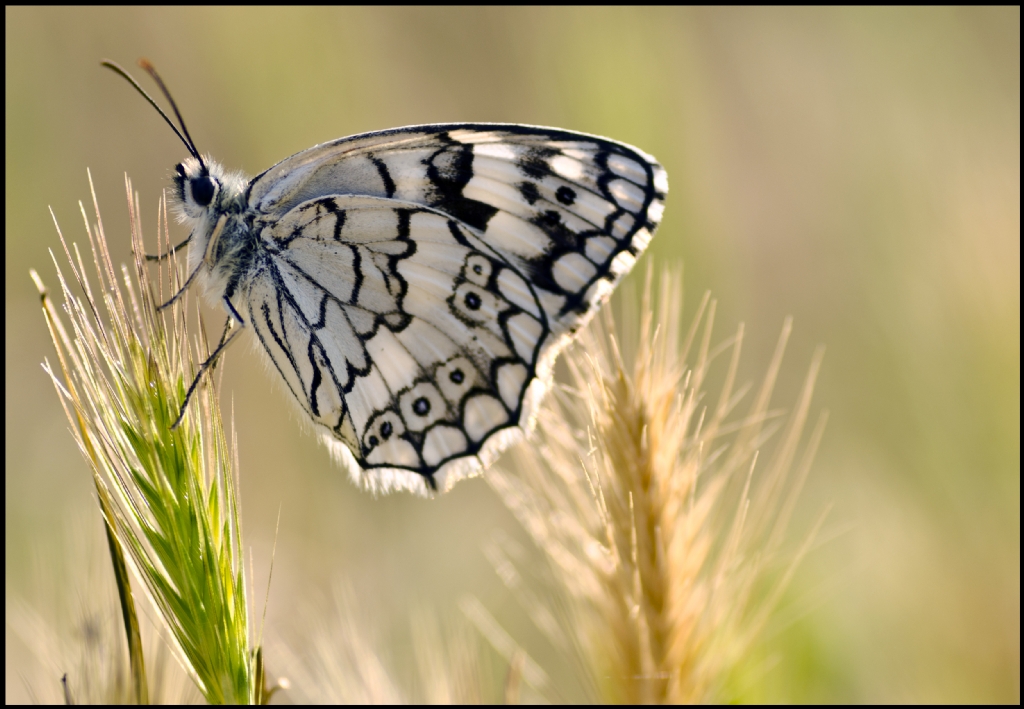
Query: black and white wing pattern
point(413, 286)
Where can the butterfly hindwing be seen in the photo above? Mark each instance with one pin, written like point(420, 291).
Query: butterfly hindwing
point(398, 331)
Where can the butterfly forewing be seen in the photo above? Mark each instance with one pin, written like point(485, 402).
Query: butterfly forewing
point(571, 211)
point(413, 286)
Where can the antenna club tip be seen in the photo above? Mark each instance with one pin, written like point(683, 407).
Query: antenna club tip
point(145, 64)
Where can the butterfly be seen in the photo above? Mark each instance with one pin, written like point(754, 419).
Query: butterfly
point(412, 287)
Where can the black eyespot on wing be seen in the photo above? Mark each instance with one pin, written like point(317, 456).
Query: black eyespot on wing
point(421, 407)
point(202, 190)
point(566, 195)
point(457, 376)
point(385, 430)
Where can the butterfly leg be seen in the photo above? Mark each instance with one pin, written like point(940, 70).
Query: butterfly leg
point(225, 340)
point(181, 291)
point(231, 309)
point(169, 253)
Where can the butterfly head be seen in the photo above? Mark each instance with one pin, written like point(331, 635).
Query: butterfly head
point(196, 186)
point(205, 188)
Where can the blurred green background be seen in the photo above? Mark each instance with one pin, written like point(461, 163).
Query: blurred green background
point(858, 169)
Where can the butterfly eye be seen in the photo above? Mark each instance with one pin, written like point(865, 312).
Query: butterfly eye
point(202, 190)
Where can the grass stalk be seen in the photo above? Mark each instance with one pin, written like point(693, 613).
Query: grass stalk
point(168, 497)
point(661, 526)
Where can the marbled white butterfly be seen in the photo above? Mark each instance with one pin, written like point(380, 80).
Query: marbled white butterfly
point(413, 286)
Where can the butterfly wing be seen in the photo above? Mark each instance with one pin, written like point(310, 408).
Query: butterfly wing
point(404, 337)
point(572, 211)
point(561, 216)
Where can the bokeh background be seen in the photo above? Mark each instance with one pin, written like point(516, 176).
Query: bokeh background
point(857, 169)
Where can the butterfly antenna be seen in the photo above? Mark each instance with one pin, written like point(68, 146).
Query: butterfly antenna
point(144, 63)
